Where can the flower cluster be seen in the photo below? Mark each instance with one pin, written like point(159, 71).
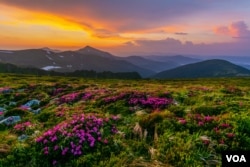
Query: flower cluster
point(69, 98)
point(24, 107)
point(22, 127)
point(77, 137)
point(201, 120)
point(151, 102)
point(115, 98)
point(182, 121)
point(58, 91)
point(87, 96)
point(219, 132)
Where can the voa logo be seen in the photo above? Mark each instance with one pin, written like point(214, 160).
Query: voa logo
point(236, 158)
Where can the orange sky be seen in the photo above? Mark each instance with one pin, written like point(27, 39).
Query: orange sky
point(120, 27)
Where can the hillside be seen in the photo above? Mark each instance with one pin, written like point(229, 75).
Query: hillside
point(153, 65)
point(13, 69)
point(87, 58)
point(92, 59)
point(60, 121)
point(179, 59)
point(208, 68)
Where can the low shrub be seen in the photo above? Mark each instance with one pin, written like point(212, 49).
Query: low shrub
point(209, 110)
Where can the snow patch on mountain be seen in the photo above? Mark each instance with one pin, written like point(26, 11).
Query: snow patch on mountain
point(49, 57)
point(47, 68)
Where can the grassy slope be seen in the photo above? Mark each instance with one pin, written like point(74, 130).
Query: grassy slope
point(181, 134)
point(207, 68)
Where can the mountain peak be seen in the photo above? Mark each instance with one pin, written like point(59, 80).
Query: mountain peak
point(90, 50)
point(89, 47)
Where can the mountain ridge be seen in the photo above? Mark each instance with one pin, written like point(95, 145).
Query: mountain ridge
point(84, 59)
point(89, 58)
point(204, 69)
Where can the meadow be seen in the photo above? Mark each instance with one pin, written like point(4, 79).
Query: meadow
point(66, 121)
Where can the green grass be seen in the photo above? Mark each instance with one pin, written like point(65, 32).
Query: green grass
point(207, 116)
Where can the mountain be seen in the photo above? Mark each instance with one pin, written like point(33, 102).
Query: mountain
point(93, 51)
point(87, 58)
point(153, 65)
point(245, 65)
point(243, 61)
point(179, 59)
point(208, 68)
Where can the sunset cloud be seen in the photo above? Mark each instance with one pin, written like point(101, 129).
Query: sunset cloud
point(237, 29)
point(132, 25)
point(174, 46)
point(181, 33)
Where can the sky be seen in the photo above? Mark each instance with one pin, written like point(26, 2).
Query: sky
point(131, 27)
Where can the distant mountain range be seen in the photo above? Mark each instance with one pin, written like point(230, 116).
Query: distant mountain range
point(92, 59)
point(207, 68)
point(87, 58)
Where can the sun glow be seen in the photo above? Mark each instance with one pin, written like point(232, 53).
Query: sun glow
point(36, 29)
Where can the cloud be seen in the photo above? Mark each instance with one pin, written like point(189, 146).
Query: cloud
point(237, 29)
point(174, 46)
point(103, 33)
point(125, 22)
point(240, 29)
point(117, 15)
point(181, 33)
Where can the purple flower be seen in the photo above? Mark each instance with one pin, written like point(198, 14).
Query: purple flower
point(182, 121)
point(225, 125)
point(87, 96)
point(208, 118)
point(79, 152)
point(54, 138)
point(46, 150)
point(45, 141)
point(81, 130)
point(105, 141)
point(217, 130)
point(92, 143)
point(54, 162)
point(65, 150)
point(200, 123)
point(72, 144)
point(56, 147)
point(113, 129)
point(39, 139)
point(230, 135)
point(115, 117)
